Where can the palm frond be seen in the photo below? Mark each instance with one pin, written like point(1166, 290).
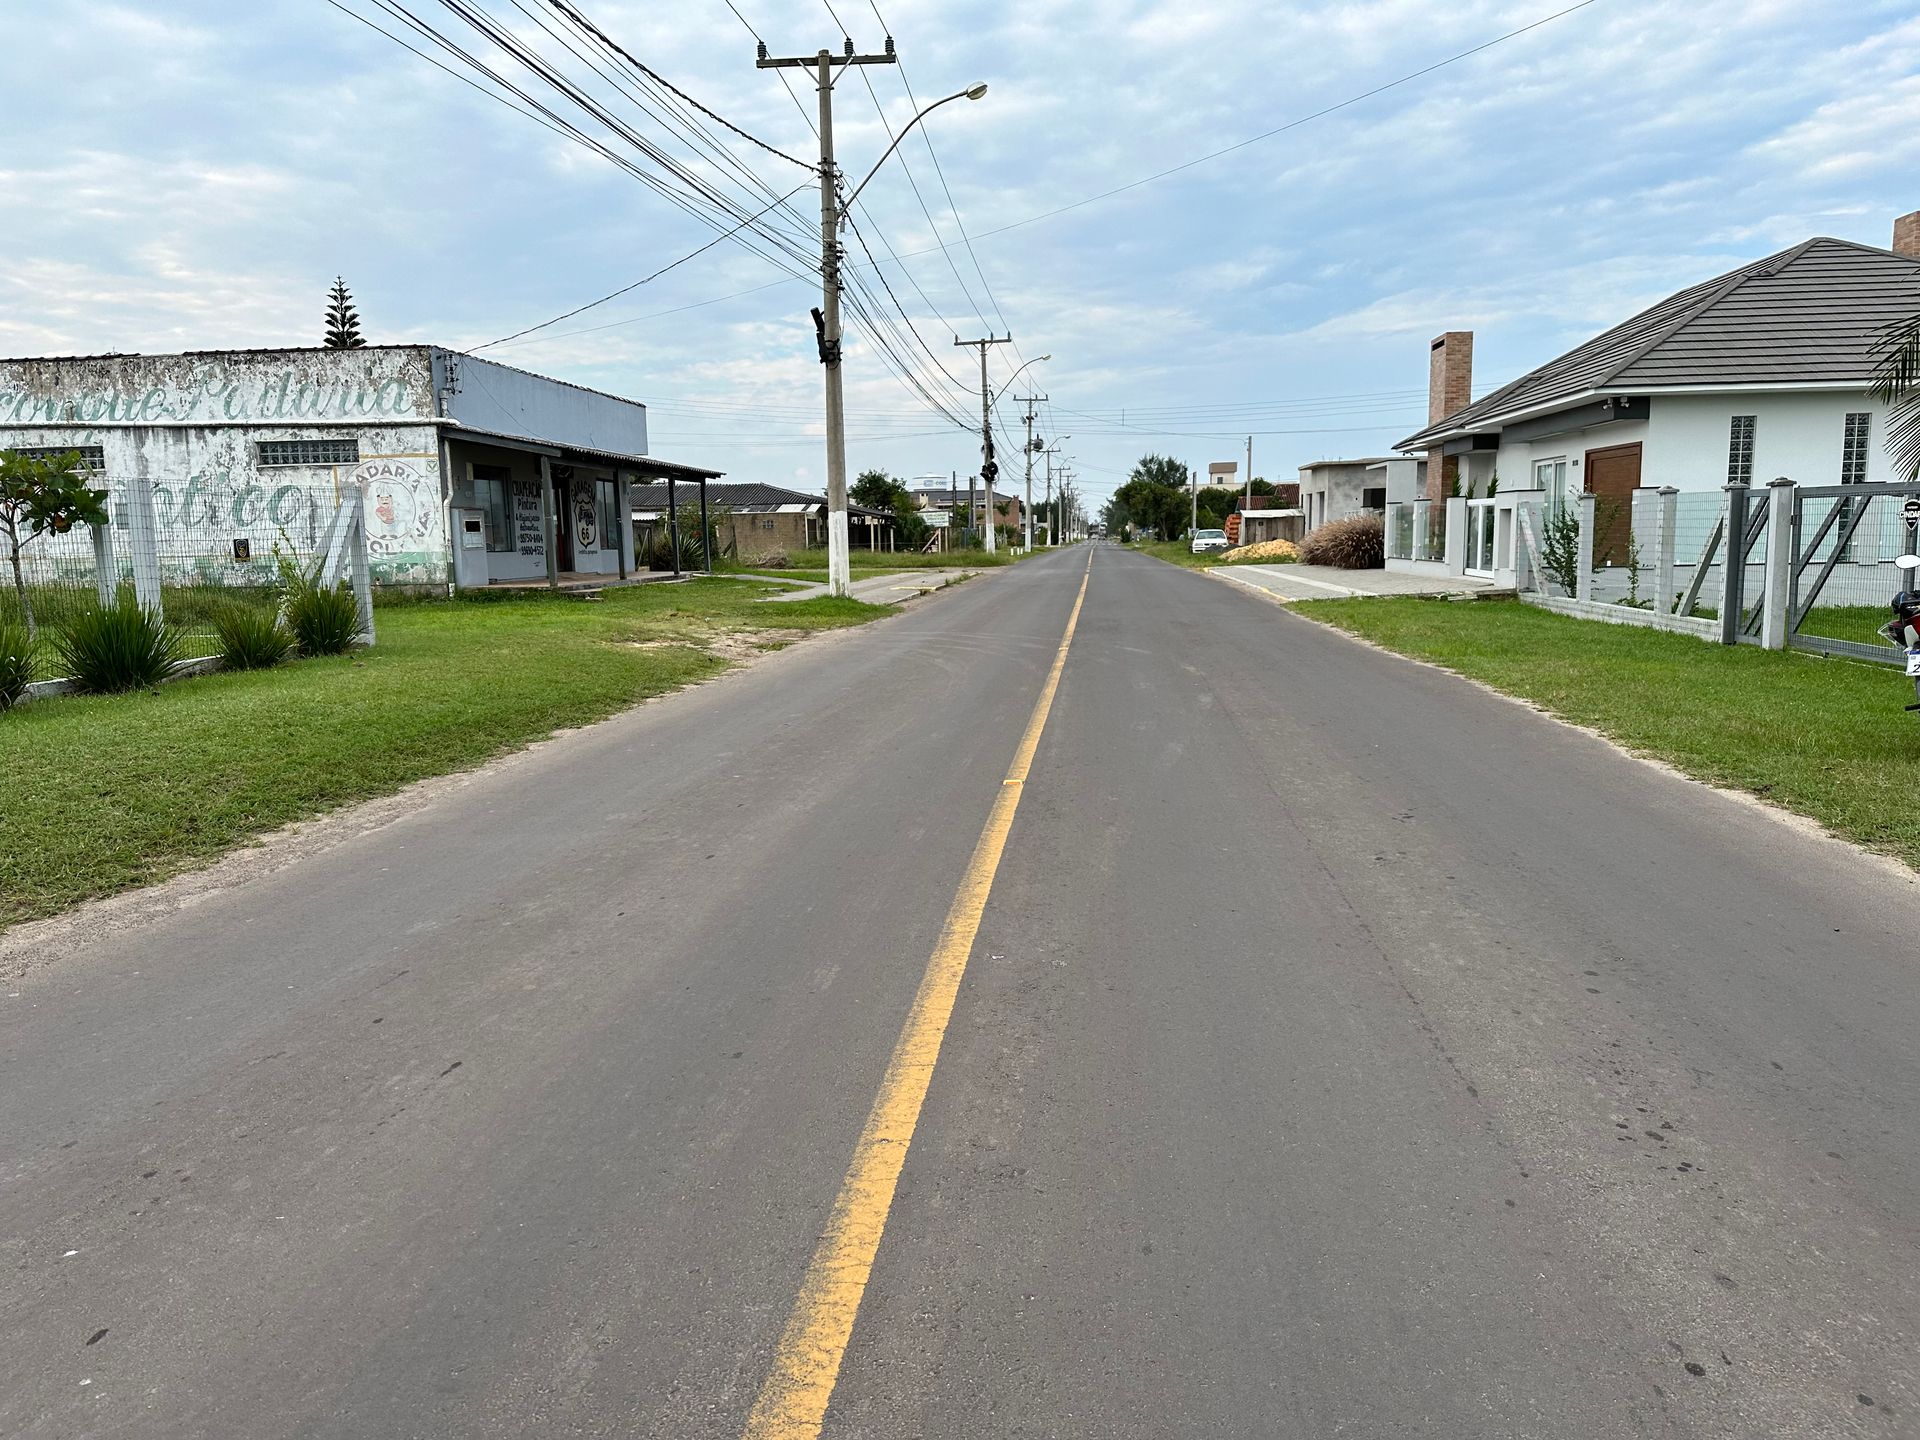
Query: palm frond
point(1896, 380)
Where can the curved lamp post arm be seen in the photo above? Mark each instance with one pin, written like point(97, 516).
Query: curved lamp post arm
point(972, 92)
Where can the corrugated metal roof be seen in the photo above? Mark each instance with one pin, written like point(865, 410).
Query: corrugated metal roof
point(1806, 315)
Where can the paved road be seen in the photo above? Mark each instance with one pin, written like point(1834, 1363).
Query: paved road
point(1345, 1052)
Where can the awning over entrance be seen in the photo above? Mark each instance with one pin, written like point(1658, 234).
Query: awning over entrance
point(561, 497)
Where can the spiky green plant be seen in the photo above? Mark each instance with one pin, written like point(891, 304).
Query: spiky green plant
point(16, 663)
point(325, 619)
point(107, 648)
point(251, 638)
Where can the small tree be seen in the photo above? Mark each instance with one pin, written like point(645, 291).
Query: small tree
point(41, 495)
point(343, 321)
point(1560, 546)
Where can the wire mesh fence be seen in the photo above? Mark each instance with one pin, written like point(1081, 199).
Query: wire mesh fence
point(1845, 564)
point(191, 549)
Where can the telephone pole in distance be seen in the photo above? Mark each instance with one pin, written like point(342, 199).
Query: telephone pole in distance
point(1027, 511)
point(989, 467)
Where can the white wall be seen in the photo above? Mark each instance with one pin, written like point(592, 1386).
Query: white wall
point(1796, 433)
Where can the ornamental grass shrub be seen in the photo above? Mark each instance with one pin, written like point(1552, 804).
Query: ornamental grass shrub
point(251, 637)
point(123, 646)
point(16, 663)
point(1354, 542)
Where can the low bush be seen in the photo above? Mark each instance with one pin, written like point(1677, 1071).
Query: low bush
point(324, 619)
point(118, 647)
point(251, 637)
point(1354, 542)
point(16, 663)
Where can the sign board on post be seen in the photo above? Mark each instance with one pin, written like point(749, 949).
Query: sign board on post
point(1911, 507)
point(938, 519)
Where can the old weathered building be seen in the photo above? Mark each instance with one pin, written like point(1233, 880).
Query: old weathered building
point(474, 472)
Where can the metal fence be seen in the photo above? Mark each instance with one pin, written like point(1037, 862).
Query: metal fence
point(1845, 544)
point(188, 550)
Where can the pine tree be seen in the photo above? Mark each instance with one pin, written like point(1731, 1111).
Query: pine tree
point(343, 321)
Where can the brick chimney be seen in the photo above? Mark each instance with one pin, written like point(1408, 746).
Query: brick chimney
point(1449, 388)
point(1906, 235)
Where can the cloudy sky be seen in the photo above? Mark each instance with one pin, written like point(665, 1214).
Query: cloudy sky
point(192, 175)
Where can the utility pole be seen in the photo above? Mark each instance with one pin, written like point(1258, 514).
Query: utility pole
point(827, 318)
point(1249, 501)
point(989, 469)
point(1193, 501)
point(1027, 510)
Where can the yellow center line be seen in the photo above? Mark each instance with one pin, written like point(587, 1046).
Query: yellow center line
point(806, 1364)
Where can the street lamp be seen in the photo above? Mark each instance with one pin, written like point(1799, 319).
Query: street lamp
point(1027, 509)
point(833, 215)
point(1053, 530)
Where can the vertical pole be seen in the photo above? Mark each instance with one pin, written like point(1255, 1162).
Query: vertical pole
point(106, 575)
point(1666, 513)
point(1733, 568)
point(362, 572)
point(1779, 556)
point(986, 446)
point(706, 530)
point(1247, 504)
point(143, 538)
point(1048, 503)
point(1193, 501)
point(623, 521)
point(673, 523)
point(549, 534)
point(839, 567)
point(1584, 589)
point(1027, 516)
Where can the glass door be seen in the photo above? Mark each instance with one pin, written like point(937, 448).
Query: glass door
point(1480, 537)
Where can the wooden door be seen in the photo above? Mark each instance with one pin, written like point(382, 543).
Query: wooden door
point(1613, 474)
point(563, 517)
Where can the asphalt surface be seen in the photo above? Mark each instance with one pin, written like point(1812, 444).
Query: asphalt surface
point(1345, 1052)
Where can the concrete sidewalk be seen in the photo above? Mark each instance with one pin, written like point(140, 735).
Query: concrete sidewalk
point(883, 589)
point(1324, 582)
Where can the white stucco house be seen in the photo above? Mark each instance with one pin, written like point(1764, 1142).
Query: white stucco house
point(1759, 373)
point(1335, 489)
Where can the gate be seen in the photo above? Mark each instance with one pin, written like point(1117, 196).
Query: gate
point(1846, 539)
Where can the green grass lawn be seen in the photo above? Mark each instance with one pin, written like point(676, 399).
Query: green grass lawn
point(1825, 738)
point(103, 793)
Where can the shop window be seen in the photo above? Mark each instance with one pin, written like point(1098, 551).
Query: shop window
point(609, 512)
point(493, 489)
point(309, 452)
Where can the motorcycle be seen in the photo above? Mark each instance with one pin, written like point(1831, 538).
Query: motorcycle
point(1903, 630)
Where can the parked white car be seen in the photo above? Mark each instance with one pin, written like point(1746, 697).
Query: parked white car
point(1206, 540)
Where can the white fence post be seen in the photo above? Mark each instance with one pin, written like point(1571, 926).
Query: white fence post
point(362, 570)
point(1583, 590)
point(1779, 581)
point(106, 578)
point(1526, 546)
point(1665, 514)
point(143, 538)
point(1456, 534)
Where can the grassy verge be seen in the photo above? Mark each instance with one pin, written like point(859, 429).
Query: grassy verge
point(1824, 738)
point(105, 793)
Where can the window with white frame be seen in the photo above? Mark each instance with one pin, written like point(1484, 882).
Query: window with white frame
point(1551, 476)
point(1740, 450)
point(309, 452)
point(1853, 449)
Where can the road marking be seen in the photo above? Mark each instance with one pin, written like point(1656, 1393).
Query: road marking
point(806, 1363)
